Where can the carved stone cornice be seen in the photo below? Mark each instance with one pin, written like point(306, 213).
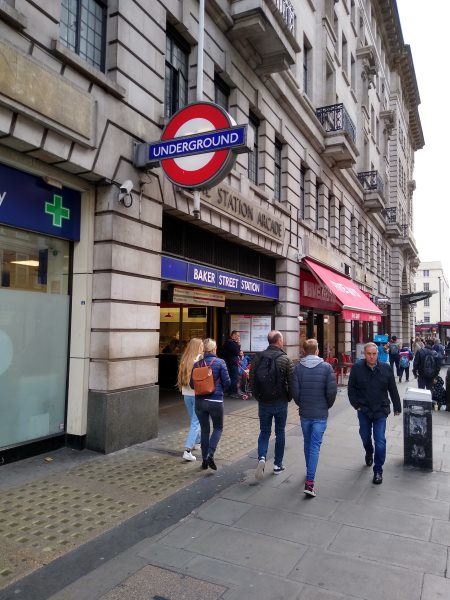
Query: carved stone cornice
point(368, 56)
point(389, 119)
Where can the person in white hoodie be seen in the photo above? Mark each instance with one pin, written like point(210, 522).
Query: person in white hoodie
point(314, 391)
point(192, 353)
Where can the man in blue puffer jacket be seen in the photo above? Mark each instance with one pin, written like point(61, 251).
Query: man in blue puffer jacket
point(314, 391)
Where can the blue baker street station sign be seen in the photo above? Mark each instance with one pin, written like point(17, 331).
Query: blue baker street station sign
point(28, 202)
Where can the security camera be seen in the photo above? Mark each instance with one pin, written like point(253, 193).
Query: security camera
point(126, 187)
point(125, 193)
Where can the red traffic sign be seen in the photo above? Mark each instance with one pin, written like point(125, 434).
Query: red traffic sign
point(198, 146)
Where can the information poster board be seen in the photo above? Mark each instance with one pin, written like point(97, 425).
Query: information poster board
point(253, 331)
point(261, 325)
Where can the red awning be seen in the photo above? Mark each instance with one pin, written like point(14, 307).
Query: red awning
point(356, 306)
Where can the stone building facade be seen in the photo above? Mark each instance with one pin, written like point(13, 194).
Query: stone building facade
point(329, 94)
point(430, 277)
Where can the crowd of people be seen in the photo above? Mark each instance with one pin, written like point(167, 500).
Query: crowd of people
point(205, 379)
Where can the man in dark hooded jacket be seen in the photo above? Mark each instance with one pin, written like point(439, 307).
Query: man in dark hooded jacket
point(314, 391)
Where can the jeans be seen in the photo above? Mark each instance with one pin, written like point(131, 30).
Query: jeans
point(395, 358)
point(205, 409)
point(379, 430)
point(313, 430)
point(424, 382)
point(233, 371)
point(193, 437)
point(279, 413)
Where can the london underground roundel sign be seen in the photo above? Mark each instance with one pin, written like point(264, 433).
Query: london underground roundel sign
point(198, 146)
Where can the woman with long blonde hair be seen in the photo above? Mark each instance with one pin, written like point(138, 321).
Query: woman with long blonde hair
point(192, 353)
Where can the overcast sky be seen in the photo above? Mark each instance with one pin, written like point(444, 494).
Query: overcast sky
point(425, 28)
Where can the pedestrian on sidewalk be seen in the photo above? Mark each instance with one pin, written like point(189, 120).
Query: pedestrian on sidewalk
point(210, 405)
point(393, 350)
point(418, 345)
point(314, 390)
point(369, 384)
point(231, 351)
point(192, 353)
point(425, 366)
point(406, 356)
point(270, 380)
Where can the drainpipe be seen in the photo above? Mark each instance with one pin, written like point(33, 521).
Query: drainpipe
point(200, 46)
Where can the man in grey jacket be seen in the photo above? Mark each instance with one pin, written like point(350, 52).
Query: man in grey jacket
point(314, 391)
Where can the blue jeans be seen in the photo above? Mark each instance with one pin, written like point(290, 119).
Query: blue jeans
point(313, 430)
point(206, 409)
point(379, 430)
point(193, 437)
point(279, 413)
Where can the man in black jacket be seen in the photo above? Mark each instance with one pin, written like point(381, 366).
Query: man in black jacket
point(270, 381)
point(368, 387)
point(231, 350)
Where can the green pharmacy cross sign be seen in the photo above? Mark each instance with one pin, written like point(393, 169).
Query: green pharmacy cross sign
point(57, 210)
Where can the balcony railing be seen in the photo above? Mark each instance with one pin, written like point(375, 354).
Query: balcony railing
point(336, 118)
point(371, 181)
point(391, 215)
point(287, 12)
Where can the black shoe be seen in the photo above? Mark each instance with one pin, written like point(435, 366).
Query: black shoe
point(204, 464)
point(377, 478)
point(211, 464)
point(369, 459)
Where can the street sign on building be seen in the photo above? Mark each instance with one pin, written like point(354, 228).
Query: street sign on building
point(198, 146)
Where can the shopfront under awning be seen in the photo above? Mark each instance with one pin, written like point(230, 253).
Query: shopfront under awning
point(414, 297)
point(356, 306)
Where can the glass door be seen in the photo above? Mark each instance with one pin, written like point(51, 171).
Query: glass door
point(34, 331)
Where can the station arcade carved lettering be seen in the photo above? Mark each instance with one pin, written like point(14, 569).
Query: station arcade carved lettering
point(248, 211)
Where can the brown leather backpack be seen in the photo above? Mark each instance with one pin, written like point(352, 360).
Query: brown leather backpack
point(203, 379)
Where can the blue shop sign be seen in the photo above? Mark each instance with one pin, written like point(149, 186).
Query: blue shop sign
point(28, 202)
point(181, 270)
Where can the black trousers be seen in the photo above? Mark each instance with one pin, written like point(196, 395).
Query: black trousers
point(206, 409)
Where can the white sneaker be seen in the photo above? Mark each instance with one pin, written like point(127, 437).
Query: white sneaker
point(259, 473)
point(187, 455)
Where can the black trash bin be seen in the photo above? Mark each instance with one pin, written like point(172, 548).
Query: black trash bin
point(418, 429)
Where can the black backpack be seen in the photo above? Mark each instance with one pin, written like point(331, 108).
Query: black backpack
point(429, 364)
point(393, 349)
point(268, 382)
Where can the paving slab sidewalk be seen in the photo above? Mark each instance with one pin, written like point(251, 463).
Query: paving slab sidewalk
point(267, 541)
point(52, 504)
